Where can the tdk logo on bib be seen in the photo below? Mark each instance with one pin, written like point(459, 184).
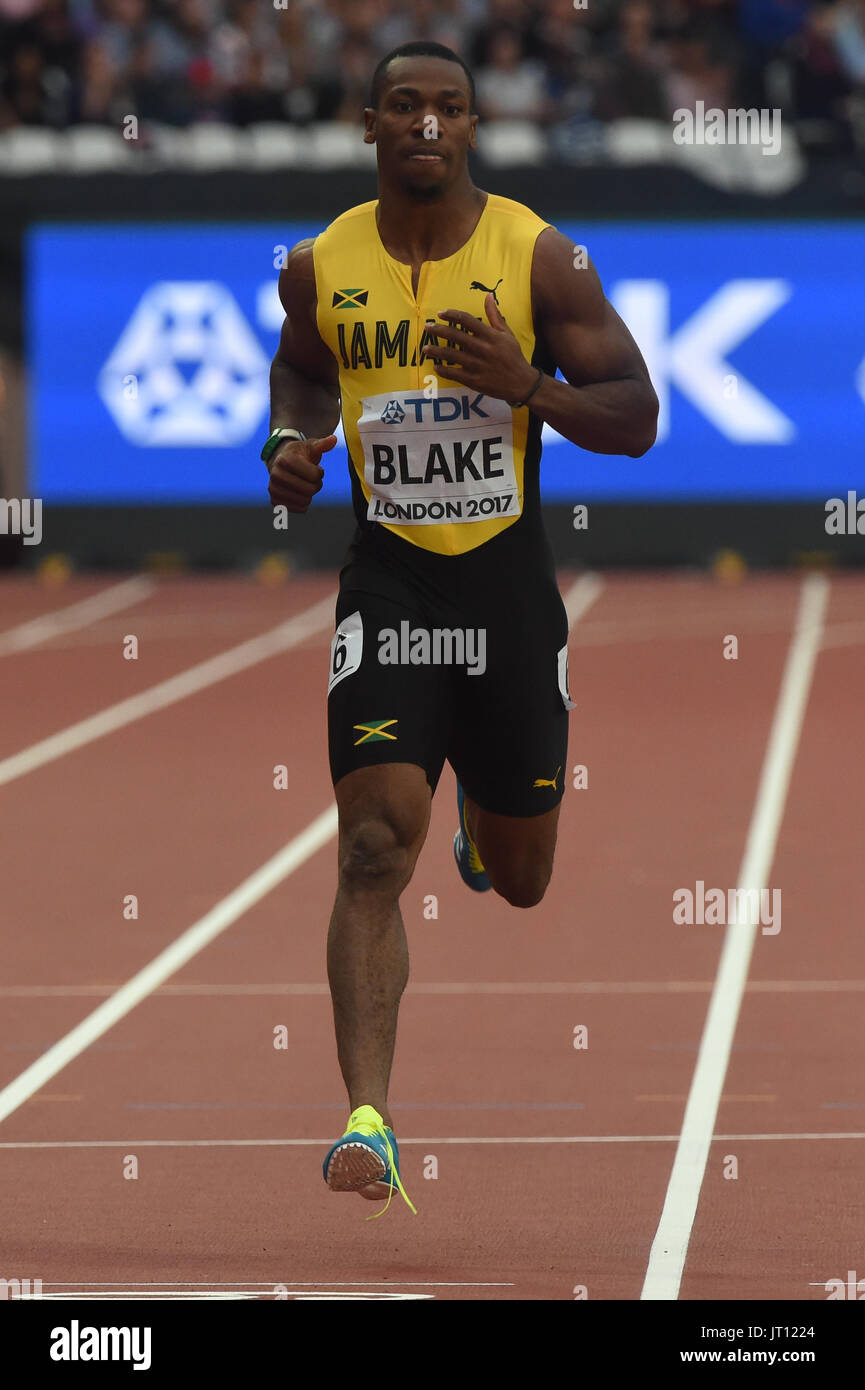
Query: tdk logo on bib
point(441, 409)
point(187, 369)
point(452, 459)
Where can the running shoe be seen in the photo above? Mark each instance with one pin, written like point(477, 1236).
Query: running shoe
point(466, 854)
point(366, 1160)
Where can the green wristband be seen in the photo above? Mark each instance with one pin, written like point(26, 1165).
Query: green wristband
point(277, 437)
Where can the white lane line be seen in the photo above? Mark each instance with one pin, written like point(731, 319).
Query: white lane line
point(187, 945)
point(320, 1295)
point(257, 1284)
point(77, 615)
point(168, 692)
point(447, 987)
point(450, 1139)
point(311, 1294)
point(168, 1294)
point(151, 1296)
point(670, 1246)
point(581, 595)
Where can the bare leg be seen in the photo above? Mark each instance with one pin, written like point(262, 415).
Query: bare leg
point(516, 851)
point(383, 818)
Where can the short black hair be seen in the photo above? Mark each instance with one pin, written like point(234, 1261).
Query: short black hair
point(418, 48)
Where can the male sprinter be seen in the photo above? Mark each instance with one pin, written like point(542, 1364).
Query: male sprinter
point(437, 317)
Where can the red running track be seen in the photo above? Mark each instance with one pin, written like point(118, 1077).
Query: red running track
point(539, 1168)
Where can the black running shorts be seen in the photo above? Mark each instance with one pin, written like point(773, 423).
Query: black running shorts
point(452, 661)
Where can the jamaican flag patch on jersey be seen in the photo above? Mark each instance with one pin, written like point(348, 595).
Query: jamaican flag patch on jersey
point(349, 299)
point(375, 731)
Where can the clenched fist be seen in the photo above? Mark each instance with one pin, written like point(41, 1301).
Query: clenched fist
point(295, 473)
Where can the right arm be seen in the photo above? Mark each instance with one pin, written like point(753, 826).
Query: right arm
point(304, 387)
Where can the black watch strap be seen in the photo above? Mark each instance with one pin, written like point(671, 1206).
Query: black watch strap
point(517, 405)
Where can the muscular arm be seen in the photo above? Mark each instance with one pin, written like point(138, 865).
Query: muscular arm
point(304, 389)
point(606, 403)
point(304, 378)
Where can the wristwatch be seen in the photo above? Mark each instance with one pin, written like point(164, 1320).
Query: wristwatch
point(277, 437)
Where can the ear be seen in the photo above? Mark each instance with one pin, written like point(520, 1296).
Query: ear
point(369, 125)
point(473, 144)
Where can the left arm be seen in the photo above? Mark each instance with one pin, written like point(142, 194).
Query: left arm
point(606, 403)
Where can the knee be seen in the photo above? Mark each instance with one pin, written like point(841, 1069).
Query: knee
point(375, 857)
point(525, 888)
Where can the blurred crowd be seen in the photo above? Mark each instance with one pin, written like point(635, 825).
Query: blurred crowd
point(568, 68)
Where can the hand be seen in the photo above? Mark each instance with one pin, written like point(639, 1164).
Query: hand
point(483, 356)
point(295, 473)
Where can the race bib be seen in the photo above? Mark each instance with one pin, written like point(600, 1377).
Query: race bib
point(434, 459)
point(346, 649)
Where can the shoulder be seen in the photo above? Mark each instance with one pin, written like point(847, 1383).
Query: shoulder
point(297, 276)
point(297, 285)
point(518, 215)
point(299, 261)
point(564, 280)
point(347, 225)
point(554, 250)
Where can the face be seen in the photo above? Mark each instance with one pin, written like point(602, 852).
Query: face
point(423, 127)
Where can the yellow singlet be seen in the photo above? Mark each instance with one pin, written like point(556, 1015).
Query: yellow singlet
point(440, 465)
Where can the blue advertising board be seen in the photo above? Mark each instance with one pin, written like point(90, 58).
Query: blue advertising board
point(149, 351)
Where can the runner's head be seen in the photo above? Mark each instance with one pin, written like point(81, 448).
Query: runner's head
point(422, 118)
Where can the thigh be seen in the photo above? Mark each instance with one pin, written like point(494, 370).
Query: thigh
point(510, 738)
point(516, 837)
point(382, 709)
point(511, 845)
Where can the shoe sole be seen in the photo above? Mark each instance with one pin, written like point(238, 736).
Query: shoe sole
point(353, 1168)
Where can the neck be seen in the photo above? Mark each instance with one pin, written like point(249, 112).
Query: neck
point(417, 229)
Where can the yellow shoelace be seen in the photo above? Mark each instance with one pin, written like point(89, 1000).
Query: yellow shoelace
point(474, 858)
point(366, 1120)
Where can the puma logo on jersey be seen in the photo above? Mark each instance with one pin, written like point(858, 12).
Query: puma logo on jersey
point(545, 782)
point(487, 289)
